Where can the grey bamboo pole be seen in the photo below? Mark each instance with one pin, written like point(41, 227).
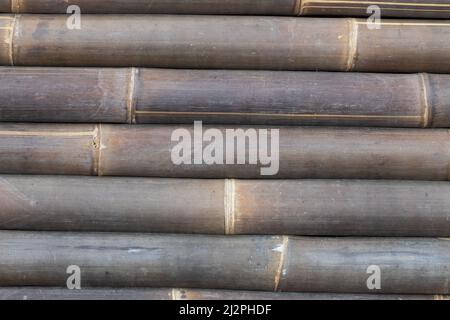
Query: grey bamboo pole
point(388, 8)
point(43, 293)
point(291, 264)
point(295, 207)
point(151, 151)
point(220, 42)
point(133, 95)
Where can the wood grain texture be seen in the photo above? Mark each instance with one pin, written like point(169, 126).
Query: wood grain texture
point(252, 7)
point(430, 9)
point(408, 265)
point(294, 207)
point(227, 97)
point(63, 95)
point(146, 151)
point(389, 8)
point(42, 293)
point(231, 42)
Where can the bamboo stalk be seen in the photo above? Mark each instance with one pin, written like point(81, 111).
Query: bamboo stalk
point(268, 207)
point(252, 97)
point(42, 293)
point(220, 42)
point(389, 8)
point(148, 151)
point(406, 265)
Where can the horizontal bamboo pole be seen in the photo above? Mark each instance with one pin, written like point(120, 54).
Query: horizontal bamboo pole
point(389, 8)
point(217, 96)
point(268, 207)
point(292, 264)
point(221, 42)
point(43, 293)
point(153, 151)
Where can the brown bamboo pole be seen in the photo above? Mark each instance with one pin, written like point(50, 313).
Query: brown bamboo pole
point(405, 265)
point(268, 207)
point(220, 42)
point(151, 151)
point(389, 8)
point(252, 97)
point(43, 293)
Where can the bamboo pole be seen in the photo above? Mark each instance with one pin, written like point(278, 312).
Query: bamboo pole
point(389, 8)
point(268, 207)
point(42, 293)
point(252, 97)
point(152, 151)
point(220, 42)
point(405, 265)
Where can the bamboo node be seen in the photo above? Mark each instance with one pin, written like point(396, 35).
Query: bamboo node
point(427, 111)
point(11, 39)
point(15, 6)
point(281, 270)
point(98, 146)
point(230, 205)
point(352, 53)
point(175, 294)
point(131, 99)
point(298, 10)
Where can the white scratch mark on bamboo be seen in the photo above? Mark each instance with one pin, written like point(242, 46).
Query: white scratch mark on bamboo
point(133, 250)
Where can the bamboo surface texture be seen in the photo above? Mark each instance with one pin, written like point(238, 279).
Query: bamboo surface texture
point(267, 207)
point(226, 42)
point(389, 8)
point(227, 97)
point(292, 264)
point(44, 293)
point(147, 151)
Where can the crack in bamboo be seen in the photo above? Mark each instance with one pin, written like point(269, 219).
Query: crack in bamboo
point(230, 205)
point(45, 133)
point(427, 110)
point(283, 248)
point(365, 8)
point(382, 3)
point(274, 115)
point(131, 99)
point(405, 24)
point(352, 44)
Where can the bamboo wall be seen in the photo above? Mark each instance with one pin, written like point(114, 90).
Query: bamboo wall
point(362, 147)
